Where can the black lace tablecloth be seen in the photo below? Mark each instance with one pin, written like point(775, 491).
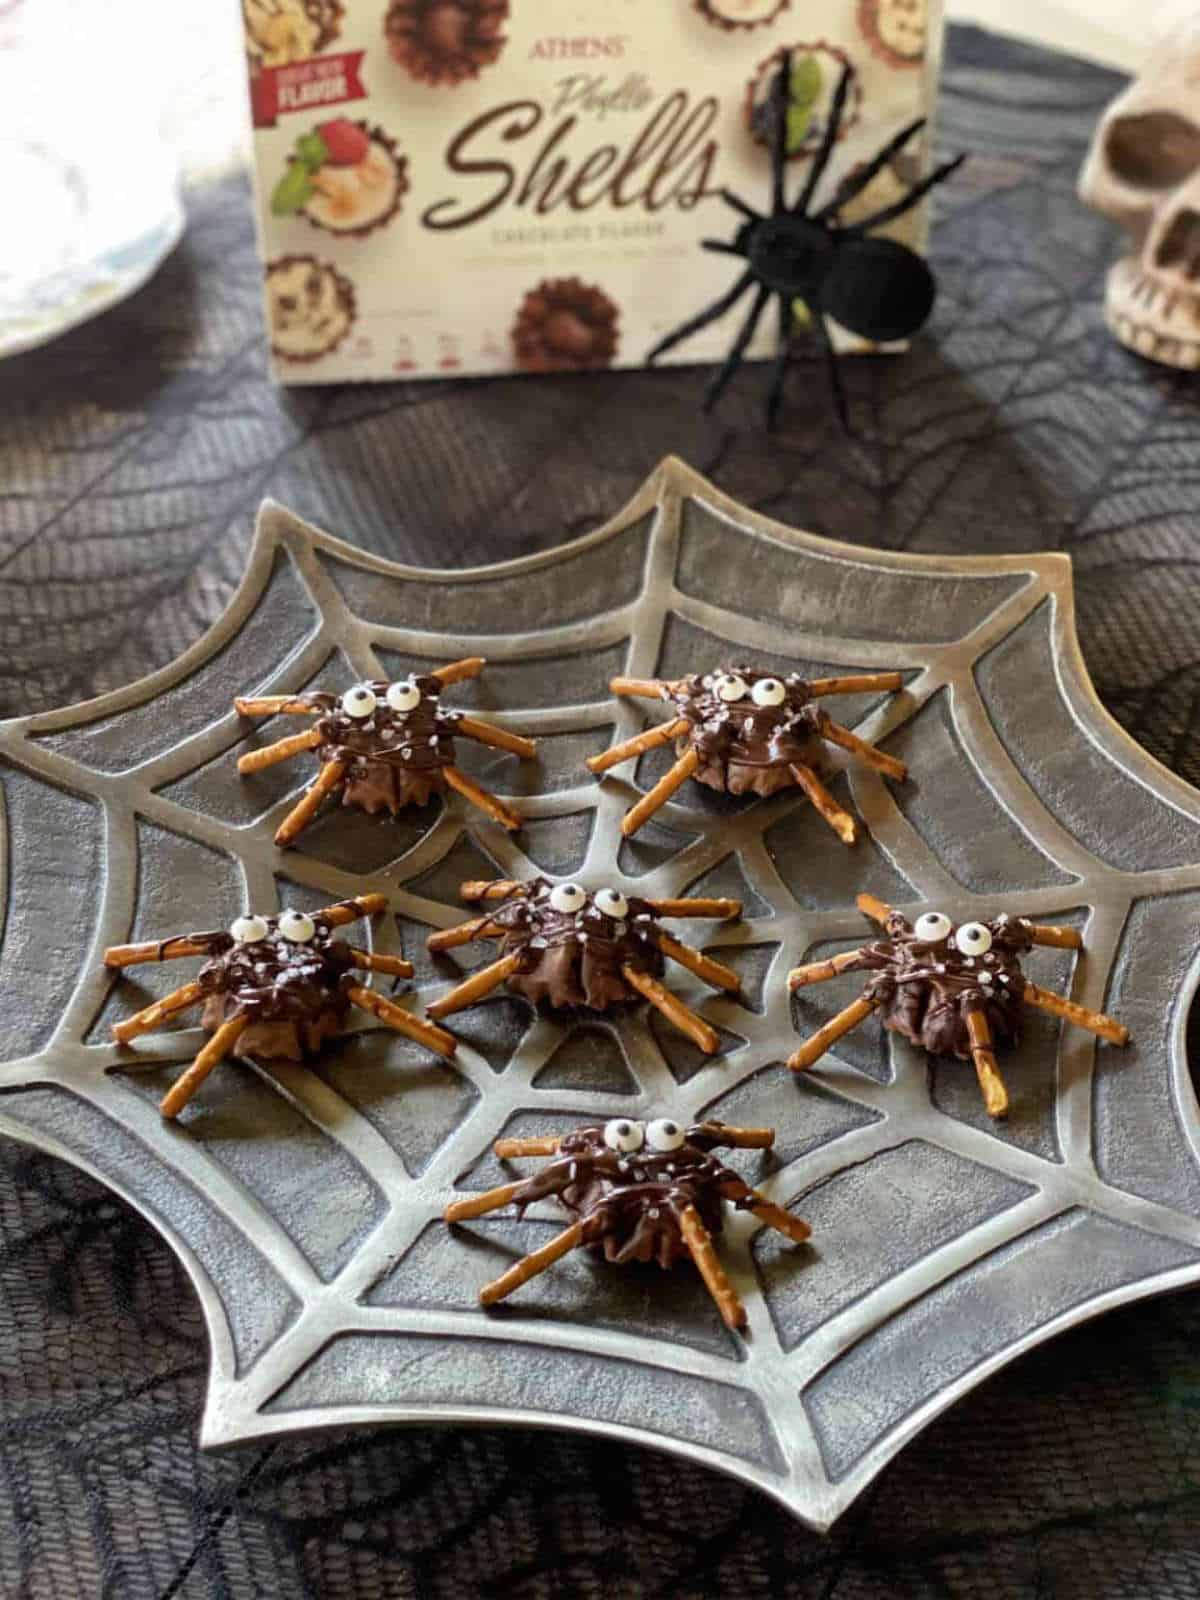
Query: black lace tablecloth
point(135, 451)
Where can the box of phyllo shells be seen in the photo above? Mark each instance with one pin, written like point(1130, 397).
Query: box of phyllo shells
point(448, 187)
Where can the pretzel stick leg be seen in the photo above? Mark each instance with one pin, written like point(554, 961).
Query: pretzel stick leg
point(700, 1247)
point(662, 791)
point(391, 966)
point(498, 738)
point(878, 910)
point(842, 823)
point(741, 1138)
point(820, 971)
point(456, 671)
point(767, 1211)
point(135, 955)
point(814, 1048)
point(720, 977)
point(638, 745)
point(717, 909)
point(856, 683)
point(529, 1266)
point(1058, 938)
point(486, 802)
point(663, 1001)
point(146, 1020)
point(499, 889)
point(281, 750)
point(642, 688)
point(214, 1052)
point(475, 987)
point(451, 938)
point(836, 734)
point(326, 781)
point(415, 1028)
point(544, 1145)
point(345, 911)
point(477, 1205)
point(995, 1095)
point(1094, 1021)
point(274, 705)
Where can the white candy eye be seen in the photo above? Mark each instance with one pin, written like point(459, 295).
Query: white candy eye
point(623, 1136)
point(249, 930)
point(403, 696)
point(730, 687)
point(664, 1134)
point(296, 927)
point(567, 897)
point(973, 939)
point(768, 692)
point(932, 927)
point(359, 701)
point(612, 904)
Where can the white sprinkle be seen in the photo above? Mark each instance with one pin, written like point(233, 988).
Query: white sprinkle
point(653, 1213)
point(619, 930)
point(1004, 977)
point(1004, 917)
point(406, 752)
point(622, 1166)
point(940, 968)
point(537, 944)
point(583, 938)
point(643, 916)
point(968, 961)
point(571, 1171)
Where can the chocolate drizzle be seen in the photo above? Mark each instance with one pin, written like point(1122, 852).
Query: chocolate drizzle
point(393, 758)
point(744, 747)
point(925, 989)
point(630, 1205)
point(575, 958)
point(292, 992)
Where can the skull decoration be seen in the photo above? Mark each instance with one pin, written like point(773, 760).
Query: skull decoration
point(1143, 170)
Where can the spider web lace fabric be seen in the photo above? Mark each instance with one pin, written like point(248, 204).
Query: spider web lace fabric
point(1072, 1473)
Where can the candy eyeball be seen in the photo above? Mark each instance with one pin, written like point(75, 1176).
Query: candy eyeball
point(296, 927)
point(249, 930)
point(768, 692)
point(730, 687)
point(403, 696)
point(973, 939)
point(932, 927)
point(567, 897)
point(612, 903)
point(664, 1134)
point(359, 701)
point(623, 1136)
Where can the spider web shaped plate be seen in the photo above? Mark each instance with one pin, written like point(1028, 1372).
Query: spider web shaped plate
point(305, 1202)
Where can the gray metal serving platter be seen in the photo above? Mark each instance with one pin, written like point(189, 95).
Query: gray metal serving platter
point(305, 1202)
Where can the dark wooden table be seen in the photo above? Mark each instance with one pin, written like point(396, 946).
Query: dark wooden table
point(135, 451)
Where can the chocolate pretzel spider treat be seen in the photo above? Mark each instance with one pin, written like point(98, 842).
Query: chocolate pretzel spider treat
point(638, 1192)
point(570, 947)
point(272, 987)
point(954, 990)
point(383, 746)
point(741, 731)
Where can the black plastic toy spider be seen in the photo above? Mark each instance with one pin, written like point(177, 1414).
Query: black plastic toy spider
point(876, 288)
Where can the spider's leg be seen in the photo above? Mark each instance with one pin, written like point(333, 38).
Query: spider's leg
point(737, 1138)
point(862, 683)
point(326, 781)
point(722, 247)
point(766, 1210)
point(842, 823)
point(497, 889)
point(638, 745)
point(833, 126)
point(780, 85)
point(456, 671)
point(390, 966)
point(814, 1048)
point(274, 705)
point(1082, 1016)
point(702, 319)
point(878, 910)
point(281, 750)
point(414, 1028)
point(717, 909)
point(146, 1020)
point(825, 340)
point(345, 911)
point(991, 1084)
point(738, 204)
point(700, 1247)
point(671, 1007)
point(134, 955)
point(214, 1052)
point(907, 201)
point(713, 973)
point(856, 182)
point(486, 802)
point(836, 734)
point(543, 1145)
point(822, 971)
point(662, 791)
point(450, 938)
point(475, 987)
point(1058, 938)
point(782, 357)
point(734, 359)
point(643, 688)
point(498, 738)
point(529, 1266)
point(478, 1205)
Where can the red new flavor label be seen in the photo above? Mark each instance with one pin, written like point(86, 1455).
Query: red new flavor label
point(305, 86)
